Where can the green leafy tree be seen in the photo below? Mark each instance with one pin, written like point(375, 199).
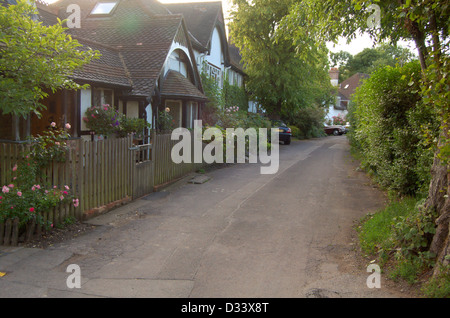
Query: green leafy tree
point(34, 58)
point(370, 59)
point(282, 75)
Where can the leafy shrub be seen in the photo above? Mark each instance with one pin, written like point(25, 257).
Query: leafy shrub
point(387, 120)
point(50, 146)
point(134, 126)
point(309, 121)
point(295, 131)
point(165, 120)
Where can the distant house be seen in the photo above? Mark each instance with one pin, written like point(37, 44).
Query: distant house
point(344, 93)
point(147, 64)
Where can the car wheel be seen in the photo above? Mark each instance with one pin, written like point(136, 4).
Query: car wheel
point(335, 132)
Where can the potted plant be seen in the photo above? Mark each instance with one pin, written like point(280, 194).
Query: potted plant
point(102, 120)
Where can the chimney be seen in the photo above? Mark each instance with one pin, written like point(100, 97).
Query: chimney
point(334, 75)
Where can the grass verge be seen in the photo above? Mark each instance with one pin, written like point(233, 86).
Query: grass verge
point(399, 237)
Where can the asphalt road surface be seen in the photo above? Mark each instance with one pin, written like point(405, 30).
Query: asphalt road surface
point(240, 234)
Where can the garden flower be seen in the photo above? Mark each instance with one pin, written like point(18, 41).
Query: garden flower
point(68, 126)
point(19, 193)
point(66, 187)
point(31, 209)
point(76, 202)
point(33, 188)
point(53, 124)
point(5, 189)
point(14, 168)
point(65, 193)
point(167, 109)
point(11, 185)
point(61, 197)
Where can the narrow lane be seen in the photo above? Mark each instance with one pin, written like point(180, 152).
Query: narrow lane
point(241, 234)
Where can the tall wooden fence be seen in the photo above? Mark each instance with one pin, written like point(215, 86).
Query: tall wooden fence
point(100, 173)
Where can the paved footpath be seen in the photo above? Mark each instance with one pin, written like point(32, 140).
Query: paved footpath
point(240, 234)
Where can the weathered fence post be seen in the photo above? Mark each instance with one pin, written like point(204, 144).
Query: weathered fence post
point(7, 237)
point(15, 232)
point(2, 232)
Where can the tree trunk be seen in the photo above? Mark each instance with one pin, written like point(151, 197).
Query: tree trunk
point(438, 199)
point(439, 192)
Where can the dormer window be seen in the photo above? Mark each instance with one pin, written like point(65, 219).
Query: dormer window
point(104, 8)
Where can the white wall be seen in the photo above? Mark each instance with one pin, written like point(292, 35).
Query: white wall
point(85, 100)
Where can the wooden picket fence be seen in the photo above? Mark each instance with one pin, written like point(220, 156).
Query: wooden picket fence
point(102, 174)
point(165, 169)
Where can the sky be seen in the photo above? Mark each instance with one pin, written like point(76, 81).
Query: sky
point(356, 46)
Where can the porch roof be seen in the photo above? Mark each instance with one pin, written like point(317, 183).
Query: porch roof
point(177, 86)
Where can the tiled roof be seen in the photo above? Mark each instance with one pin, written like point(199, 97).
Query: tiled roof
point(176, 85)
point(134, 40)
point(347, 88)
point(200, 17)
point(109, 69)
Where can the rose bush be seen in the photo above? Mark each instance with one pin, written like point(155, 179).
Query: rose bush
point(28, 200)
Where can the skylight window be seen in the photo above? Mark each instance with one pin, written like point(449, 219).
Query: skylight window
point(103, 8)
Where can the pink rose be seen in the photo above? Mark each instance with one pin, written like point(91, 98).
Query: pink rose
point(68, 126)
point(53, 124)
point(5, 189)
point(31, 209)
point(15, 168)
point(19, 193)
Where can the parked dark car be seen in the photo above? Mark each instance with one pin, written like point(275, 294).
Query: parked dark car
point(284, 132)
point(335, 130)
